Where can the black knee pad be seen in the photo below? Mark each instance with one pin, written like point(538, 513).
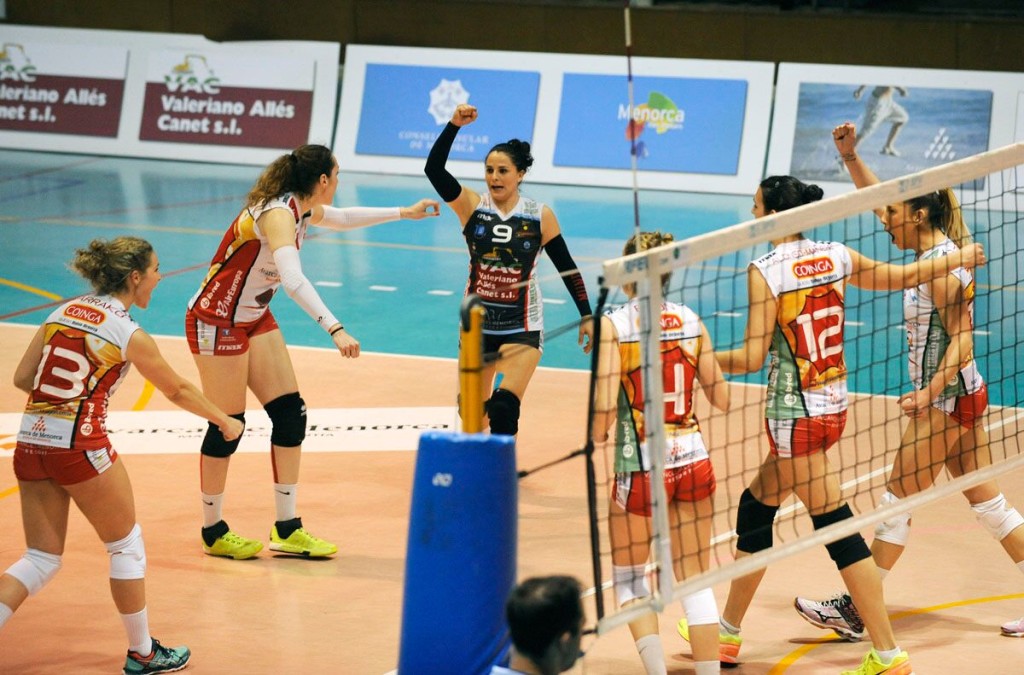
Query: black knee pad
point(848, 550)
point(754, 522)
point(214, 444)
point(288, 420)
point(502, 410)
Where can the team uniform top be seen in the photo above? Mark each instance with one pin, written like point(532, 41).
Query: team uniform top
point(681, 342)
point(243, 276)
point(807, 371)
point(503, 250)
point(927, 338)
point(85, 344)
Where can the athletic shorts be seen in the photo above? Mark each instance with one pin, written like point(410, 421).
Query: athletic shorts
point(966, 410)
point(532, 338)
point(65, 467)
point(691, 483)
point(804, 435)
point(205, 338)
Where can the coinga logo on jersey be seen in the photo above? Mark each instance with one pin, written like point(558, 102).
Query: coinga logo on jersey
point(671, 322)
point(83, 313)
point(194, 75)
point(444, 98)
point(15, 64)
point(660, 112)
point(813, 268)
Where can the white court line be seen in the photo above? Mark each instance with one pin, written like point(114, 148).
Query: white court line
point(329, 284)
point(554, 301)
point(385, 289)
point(728, 314)
point(439, 292)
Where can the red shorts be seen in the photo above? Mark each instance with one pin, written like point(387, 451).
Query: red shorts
point(967, 410)
point(205, 338)
point(65, 467)
point(691, 483)
point(804, 435)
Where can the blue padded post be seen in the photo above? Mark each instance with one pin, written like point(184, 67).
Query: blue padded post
point(460, 562)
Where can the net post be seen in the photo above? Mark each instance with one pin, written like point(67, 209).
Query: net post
point(654, 433)
point(471, 347)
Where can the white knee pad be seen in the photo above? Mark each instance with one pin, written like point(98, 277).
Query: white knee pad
point(35, 569)
point(701, 608)
point(630, 583)
point(998, 517)
point(895, 530)
point(128, 556)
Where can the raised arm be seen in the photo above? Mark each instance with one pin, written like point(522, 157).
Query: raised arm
point(879, 276)
point(144, 355)
point(845, 138)
point(709, 373)
point(461, 199)
point(760, 325)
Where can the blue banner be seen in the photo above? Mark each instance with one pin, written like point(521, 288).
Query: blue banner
point(685, 125)
point(404, 108)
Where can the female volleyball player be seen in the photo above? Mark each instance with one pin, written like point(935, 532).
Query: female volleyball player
point(237, 344)
point(796, 297)
point(505, 232)
point(687, 357)
point(75, 361)
point(946, 408)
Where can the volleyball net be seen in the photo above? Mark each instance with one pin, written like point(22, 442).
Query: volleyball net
point(709, 275)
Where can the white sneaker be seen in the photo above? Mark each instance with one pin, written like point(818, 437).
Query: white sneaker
point(1014, 628)
point(837, 613)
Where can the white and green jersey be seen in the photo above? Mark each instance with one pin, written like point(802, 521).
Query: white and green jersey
point(807, 371)
point(681, 342)
point(927, 338)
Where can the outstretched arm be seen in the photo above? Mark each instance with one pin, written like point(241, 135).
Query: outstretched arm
point(760, 326)
point(462, 199)
point(355, 217)
point(145, 355)
point(879, 276)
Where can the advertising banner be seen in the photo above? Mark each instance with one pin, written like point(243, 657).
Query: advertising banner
point(159, 95)
point(907, 119)
point(697, 125)
point(49, 90)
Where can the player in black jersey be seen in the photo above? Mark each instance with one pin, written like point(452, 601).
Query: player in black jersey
point(505, 232)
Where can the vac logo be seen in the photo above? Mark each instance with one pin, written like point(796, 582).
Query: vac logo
point(444, 98)
point(15, 64)
point(192, 75)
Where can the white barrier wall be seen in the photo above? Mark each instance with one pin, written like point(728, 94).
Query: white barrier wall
point(699, 125)
point(163, 95)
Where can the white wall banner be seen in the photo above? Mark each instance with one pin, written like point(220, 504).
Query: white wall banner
point(907, 119)
point(163, 95)
point(697, 125)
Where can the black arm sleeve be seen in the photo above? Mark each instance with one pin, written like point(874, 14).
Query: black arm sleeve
point(559, 254)
point(447, 187)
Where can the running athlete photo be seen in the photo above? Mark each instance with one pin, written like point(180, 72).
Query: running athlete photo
point(505, 232)
point(237, 344)
point(75, 362)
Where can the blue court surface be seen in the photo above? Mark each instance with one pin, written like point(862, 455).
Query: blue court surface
point(398, 286)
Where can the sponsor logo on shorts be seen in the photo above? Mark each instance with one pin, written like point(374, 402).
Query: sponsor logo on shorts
point(813, 267)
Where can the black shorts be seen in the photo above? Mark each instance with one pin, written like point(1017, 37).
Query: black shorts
point(532, 338)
